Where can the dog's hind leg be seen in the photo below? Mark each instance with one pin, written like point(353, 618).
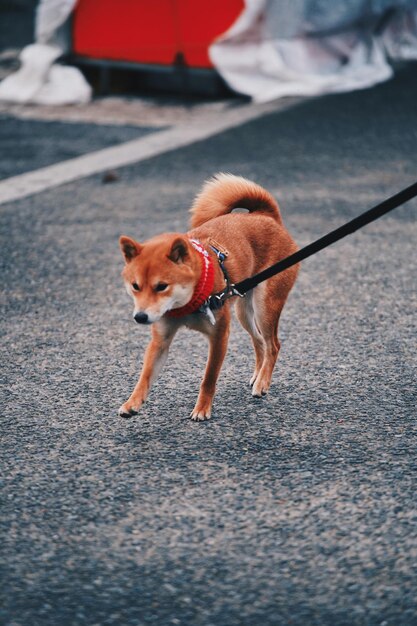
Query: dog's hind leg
point(268, 305)
point(269, 331)
point(246, 316)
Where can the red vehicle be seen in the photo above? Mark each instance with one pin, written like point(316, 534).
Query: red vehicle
point(158, 34)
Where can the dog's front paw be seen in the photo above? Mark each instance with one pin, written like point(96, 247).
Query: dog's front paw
point(253, 379)
point(128, 409)
point(201, 412)
point(260, 388)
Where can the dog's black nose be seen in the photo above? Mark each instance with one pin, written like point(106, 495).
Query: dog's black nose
point(141, 318)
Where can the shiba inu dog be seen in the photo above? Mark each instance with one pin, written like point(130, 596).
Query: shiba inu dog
point(170, 277)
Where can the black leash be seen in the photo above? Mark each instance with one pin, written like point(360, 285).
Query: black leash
point(217, 300)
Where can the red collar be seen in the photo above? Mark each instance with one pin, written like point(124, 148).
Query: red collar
point(204, 286)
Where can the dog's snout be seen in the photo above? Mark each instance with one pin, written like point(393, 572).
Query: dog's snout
point(141, 318)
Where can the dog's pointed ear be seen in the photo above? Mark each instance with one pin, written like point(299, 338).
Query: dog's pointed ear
point(179, 250)
point(130, 248)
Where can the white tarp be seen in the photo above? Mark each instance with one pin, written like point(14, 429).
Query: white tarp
point(282, 48)
point(51, 15)
point(39, 79)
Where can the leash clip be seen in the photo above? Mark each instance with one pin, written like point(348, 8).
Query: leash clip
point(235, 292)
point(217, 300)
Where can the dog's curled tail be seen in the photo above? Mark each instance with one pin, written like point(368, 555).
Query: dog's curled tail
point(224, 192)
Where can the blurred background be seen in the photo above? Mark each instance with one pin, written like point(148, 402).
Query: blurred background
point(263, 49)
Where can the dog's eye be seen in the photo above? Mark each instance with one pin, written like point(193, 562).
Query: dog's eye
point(135, 286)
point(161, 287)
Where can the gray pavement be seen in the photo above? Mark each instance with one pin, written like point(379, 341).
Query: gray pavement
point(296, 509)
point(17, 23)
point(28, 144)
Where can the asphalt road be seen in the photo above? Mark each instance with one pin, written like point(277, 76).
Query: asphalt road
point(296, 509)
point(17, 23)
point(30, 144)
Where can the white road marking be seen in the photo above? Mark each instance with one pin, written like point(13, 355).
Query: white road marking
point(157, 143)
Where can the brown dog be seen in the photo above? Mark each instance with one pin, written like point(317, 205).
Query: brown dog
point(170, 277)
